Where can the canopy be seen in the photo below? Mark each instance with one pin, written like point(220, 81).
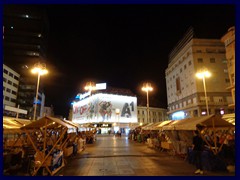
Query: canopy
point(163, 123)
point(229, 117)
point(13, 125)
point(148, 126)
point(190, 123)
point(49, 122)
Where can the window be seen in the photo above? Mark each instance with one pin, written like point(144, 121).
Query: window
point(185, 66)
point(198, 51)
point(15, 77)
point(10, 74)
point(212, 60)
point(142, 112)
point(14, 92)
point(178, 85)
point(180, 70)
point(9, 82)
point(5, 71)
point(7, 98)
point(15, 85)
point(200, 60)
point(8, 90)
point(4, 79)
point(189, 63)
point(13, 100)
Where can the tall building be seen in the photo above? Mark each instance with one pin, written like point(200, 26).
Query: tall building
point(229, 41)
point(24, 44)
point(10, 87)
point(185, 93)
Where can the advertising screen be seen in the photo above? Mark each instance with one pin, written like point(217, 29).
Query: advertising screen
point(106, 108)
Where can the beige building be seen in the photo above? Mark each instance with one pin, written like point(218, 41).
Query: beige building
point(155, 114)
point(229, 41)
point(185, 93)
point(10, 86)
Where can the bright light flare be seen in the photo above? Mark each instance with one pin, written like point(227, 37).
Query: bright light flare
point(90, 86)
point(39, 69)
point(202, 74)
point(147, 87)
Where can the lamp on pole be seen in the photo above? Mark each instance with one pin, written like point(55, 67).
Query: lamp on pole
point(39, 69)
point(202, 75)
point(147, 87)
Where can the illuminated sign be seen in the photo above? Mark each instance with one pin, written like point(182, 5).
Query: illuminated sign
point(102, 108)
point(100, 86)
point(178, 115)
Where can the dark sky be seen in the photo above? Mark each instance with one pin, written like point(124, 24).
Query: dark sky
point(122, 45)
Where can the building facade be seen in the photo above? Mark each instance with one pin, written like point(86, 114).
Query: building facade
point(155, 114)
point(111, 109)
point(229, 41)
point(10, 87)
point(185, 93)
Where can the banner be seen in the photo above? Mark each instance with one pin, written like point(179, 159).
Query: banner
point(106, 108)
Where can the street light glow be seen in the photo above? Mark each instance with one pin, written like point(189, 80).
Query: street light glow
point(90, 86)
point(202, 74)
point(147, 87)
point(39, 69)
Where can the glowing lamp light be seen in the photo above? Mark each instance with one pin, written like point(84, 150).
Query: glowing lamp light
point(90, 86)
point(222, 112)
point(203, 74)
point(39, 69)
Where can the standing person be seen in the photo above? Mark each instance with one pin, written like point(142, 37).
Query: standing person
point(198, 145)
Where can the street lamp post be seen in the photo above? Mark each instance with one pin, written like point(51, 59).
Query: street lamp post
point(202, 75)
point(147, 87)
point(40, 69)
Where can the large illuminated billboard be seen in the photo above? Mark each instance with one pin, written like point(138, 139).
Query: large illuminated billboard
point(102, 108)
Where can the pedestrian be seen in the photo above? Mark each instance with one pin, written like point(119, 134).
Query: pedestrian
point(198, 145)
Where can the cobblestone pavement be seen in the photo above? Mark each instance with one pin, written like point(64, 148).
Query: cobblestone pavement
point(115, 156)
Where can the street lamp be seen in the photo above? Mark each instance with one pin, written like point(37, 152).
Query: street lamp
point(202, 75)
point(147, 87)
point(90, 86)
point(40, 69)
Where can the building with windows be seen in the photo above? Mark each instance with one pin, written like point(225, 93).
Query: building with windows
point(185, 93)
point(155, 114)
point(229, 41)
point(10, 88)
point(24, 44)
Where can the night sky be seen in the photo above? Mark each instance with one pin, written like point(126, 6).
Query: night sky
point(122, 45)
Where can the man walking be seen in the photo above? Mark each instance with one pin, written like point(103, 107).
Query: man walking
point(198, 145)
